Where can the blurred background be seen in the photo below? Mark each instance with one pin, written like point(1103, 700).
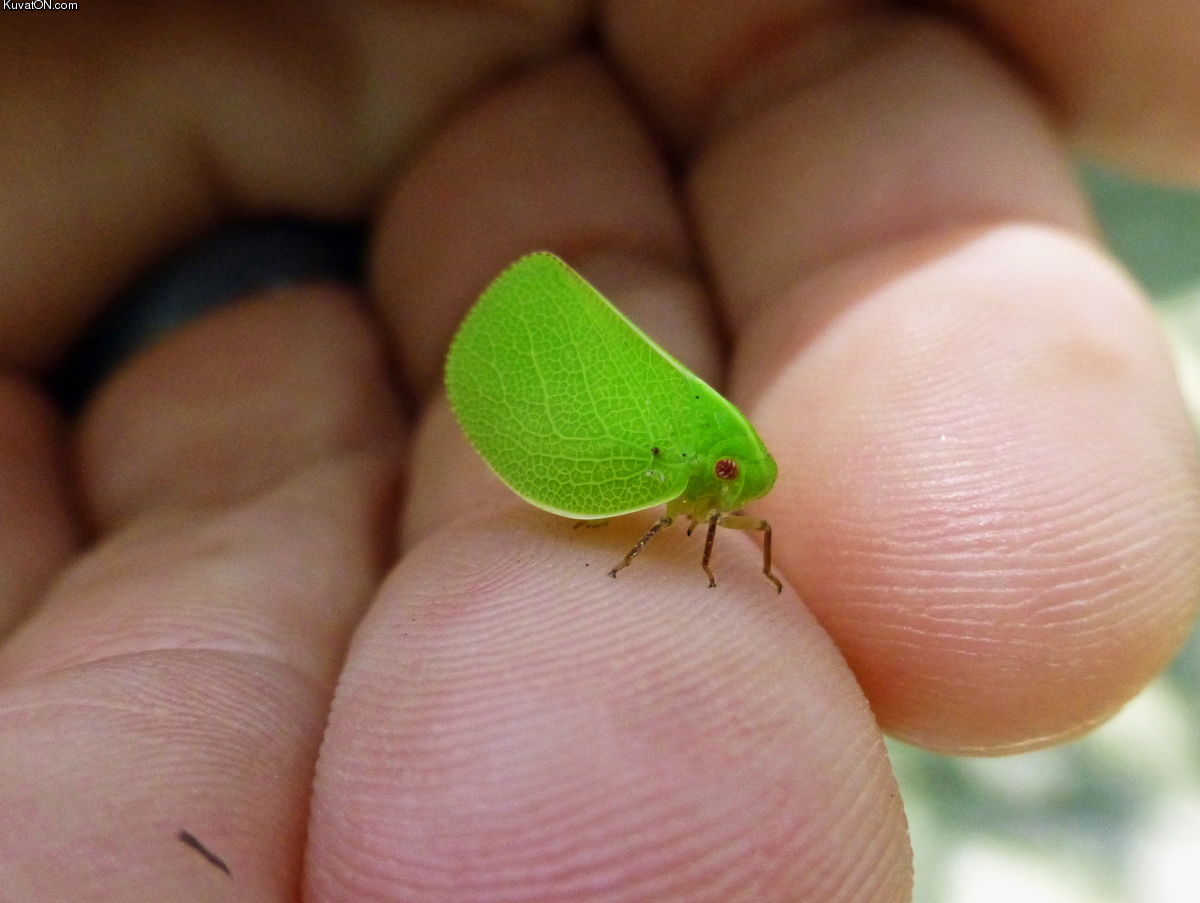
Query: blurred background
point(1113, 817)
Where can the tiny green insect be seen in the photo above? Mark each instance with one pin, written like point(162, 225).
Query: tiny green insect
point(583, 415)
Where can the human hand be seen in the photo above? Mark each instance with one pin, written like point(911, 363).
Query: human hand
point(987, 496)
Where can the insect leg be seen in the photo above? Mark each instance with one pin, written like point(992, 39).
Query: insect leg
point(665, 521)
point(740, 522)
point(708, 544)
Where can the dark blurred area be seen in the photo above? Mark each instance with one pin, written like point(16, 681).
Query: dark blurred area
point(237, 260)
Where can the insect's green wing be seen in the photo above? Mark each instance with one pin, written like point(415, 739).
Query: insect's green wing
point(567, 401)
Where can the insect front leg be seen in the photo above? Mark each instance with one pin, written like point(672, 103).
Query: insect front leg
point(741, 522)
point(665, 521)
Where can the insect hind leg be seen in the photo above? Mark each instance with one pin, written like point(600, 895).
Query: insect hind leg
point(665, 521)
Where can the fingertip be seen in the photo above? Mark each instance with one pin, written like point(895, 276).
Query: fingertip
point(540, 732)
point(988, 487)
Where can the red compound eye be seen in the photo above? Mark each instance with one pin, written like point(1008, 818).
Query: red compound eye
point(726, 469)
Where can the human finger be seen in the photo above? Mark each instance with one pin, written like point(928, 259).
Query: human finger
point(540, 731)
point(987, 485)
point(174, 682)
point(38, 533)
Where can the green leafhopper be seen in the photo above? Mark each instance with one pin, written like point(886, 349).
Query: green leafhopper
point(583, 415)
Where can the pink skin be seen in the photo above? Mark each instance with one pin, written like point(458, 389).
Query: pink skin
point(987, 498)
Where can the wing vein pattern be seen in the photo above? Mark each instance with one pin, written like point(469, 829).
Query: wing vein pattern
point(554, 388)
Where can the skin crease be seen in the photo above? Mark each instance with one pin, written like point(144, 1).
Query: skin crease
point(987, 498)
